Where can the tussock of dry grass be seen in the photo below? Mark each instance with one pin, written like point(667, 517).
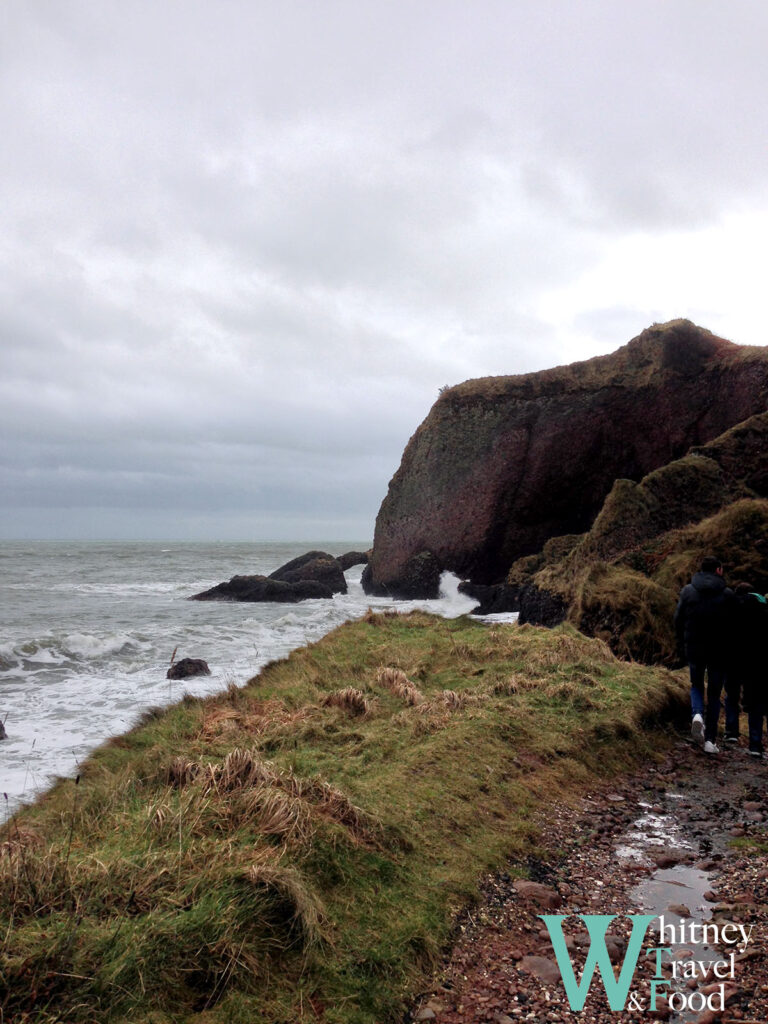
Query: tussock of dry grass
point(453, 700)
point(181, 771)
point(425, 722)
point(349, 699)
point(331, 801)
point(304, 909)
point(506, 687)
point(372, 618)
point(272, 813)
point(242, 768)
point(18, 841)
point(222, 719)
point(396, 681)
point(244, 789)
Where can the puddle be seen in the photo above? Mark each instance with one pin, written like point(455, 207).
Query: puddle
point(676, 896)
point(651, 830)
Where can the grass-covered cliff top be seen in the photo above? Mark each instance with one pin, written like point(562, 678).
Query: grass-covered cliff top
point(296, 850)
point(677, 346)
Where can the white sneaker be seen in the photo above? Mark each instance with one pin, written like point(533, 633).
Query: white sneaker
point(697, 729)
point(711, 748)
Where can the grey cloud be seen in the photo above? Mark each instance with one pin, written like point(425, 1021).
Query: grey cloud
point(244, 244)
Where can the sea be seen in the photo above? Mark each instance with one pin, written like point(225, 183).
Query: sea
point(88, 629)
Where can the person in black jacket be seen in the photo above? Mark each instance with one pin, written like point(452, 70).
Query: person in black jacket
point(702, 620)
point(746, 664)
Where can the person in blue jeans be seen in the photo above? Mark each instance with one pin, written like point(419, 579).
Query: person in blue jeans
point(702, 620)
point(746, 667)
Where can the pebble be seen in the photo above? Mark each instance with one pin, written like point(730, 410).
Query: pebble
point(541, 895)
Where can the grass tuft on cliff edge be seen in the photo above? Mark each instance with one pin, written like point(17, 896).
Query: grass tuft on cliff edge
point(297, 850)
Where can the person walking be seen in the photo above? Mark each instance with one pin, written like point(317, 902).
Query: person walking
point(746, 664)
point(701, 625)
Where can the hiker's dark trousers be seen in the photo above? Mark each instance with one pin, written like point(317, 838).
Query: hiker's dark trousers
point(715, 678)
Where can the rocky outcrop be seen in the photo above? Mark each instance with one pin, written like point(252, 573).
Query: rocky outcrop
point(621, 579)
point(502, 464)
point(313, 574)
point(733, 466)
point(350, 558)
point(539, 607)
point(188, 667)
point(492, 599)
point(262, 588)
point(314, 566)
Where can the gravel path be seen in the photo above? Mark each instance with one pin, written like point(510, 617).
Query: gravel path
point(671, 841)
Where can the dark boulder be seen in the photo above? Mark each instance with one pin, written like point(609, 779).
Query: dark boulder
point(263, 588)
point(350, 558)
point(419, 577)
point(315, 567)
point(538, 607)
point(188, 667)
point(492, 598)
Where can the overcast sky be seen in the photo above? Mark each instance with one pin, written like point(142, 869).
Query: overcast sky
point(243, 244)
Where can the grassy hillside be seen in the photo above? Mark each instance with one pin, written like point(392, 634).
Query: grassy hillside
point(629, 601)
point(296, 850)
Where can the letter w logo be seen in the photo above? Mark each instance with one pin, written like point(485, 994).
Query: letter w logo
point(597, 925)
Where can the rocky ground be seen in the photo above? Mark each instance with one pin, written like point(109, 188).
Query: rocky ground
point(687, 839)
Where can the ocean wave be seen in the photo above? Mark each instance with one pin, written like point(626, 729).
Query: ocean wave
point(85, 645)
point(119, 589)
point(70, 649)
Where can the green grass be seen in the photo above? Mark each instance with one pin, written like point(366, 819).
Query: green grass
point(273, 855)
point(750, 846)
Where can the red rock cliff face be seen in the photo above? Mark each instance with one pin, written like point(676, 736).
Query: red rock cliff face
point(501, 464)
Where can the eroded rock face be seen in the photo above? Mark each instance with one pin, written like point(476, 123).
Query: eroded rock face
point(501, 464)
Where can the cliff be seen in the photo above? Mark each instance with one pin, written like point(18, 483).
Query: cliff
point(502, 464)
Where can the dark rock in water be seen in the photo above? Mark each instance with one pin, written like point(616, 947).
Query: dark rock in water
point(502, 464)
point(263, 588)
point(350, 558)
point(535, 606)
point(418, 577)
point(3, 733)
point(493, 599)
point(188, 667)
point(316, 567)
